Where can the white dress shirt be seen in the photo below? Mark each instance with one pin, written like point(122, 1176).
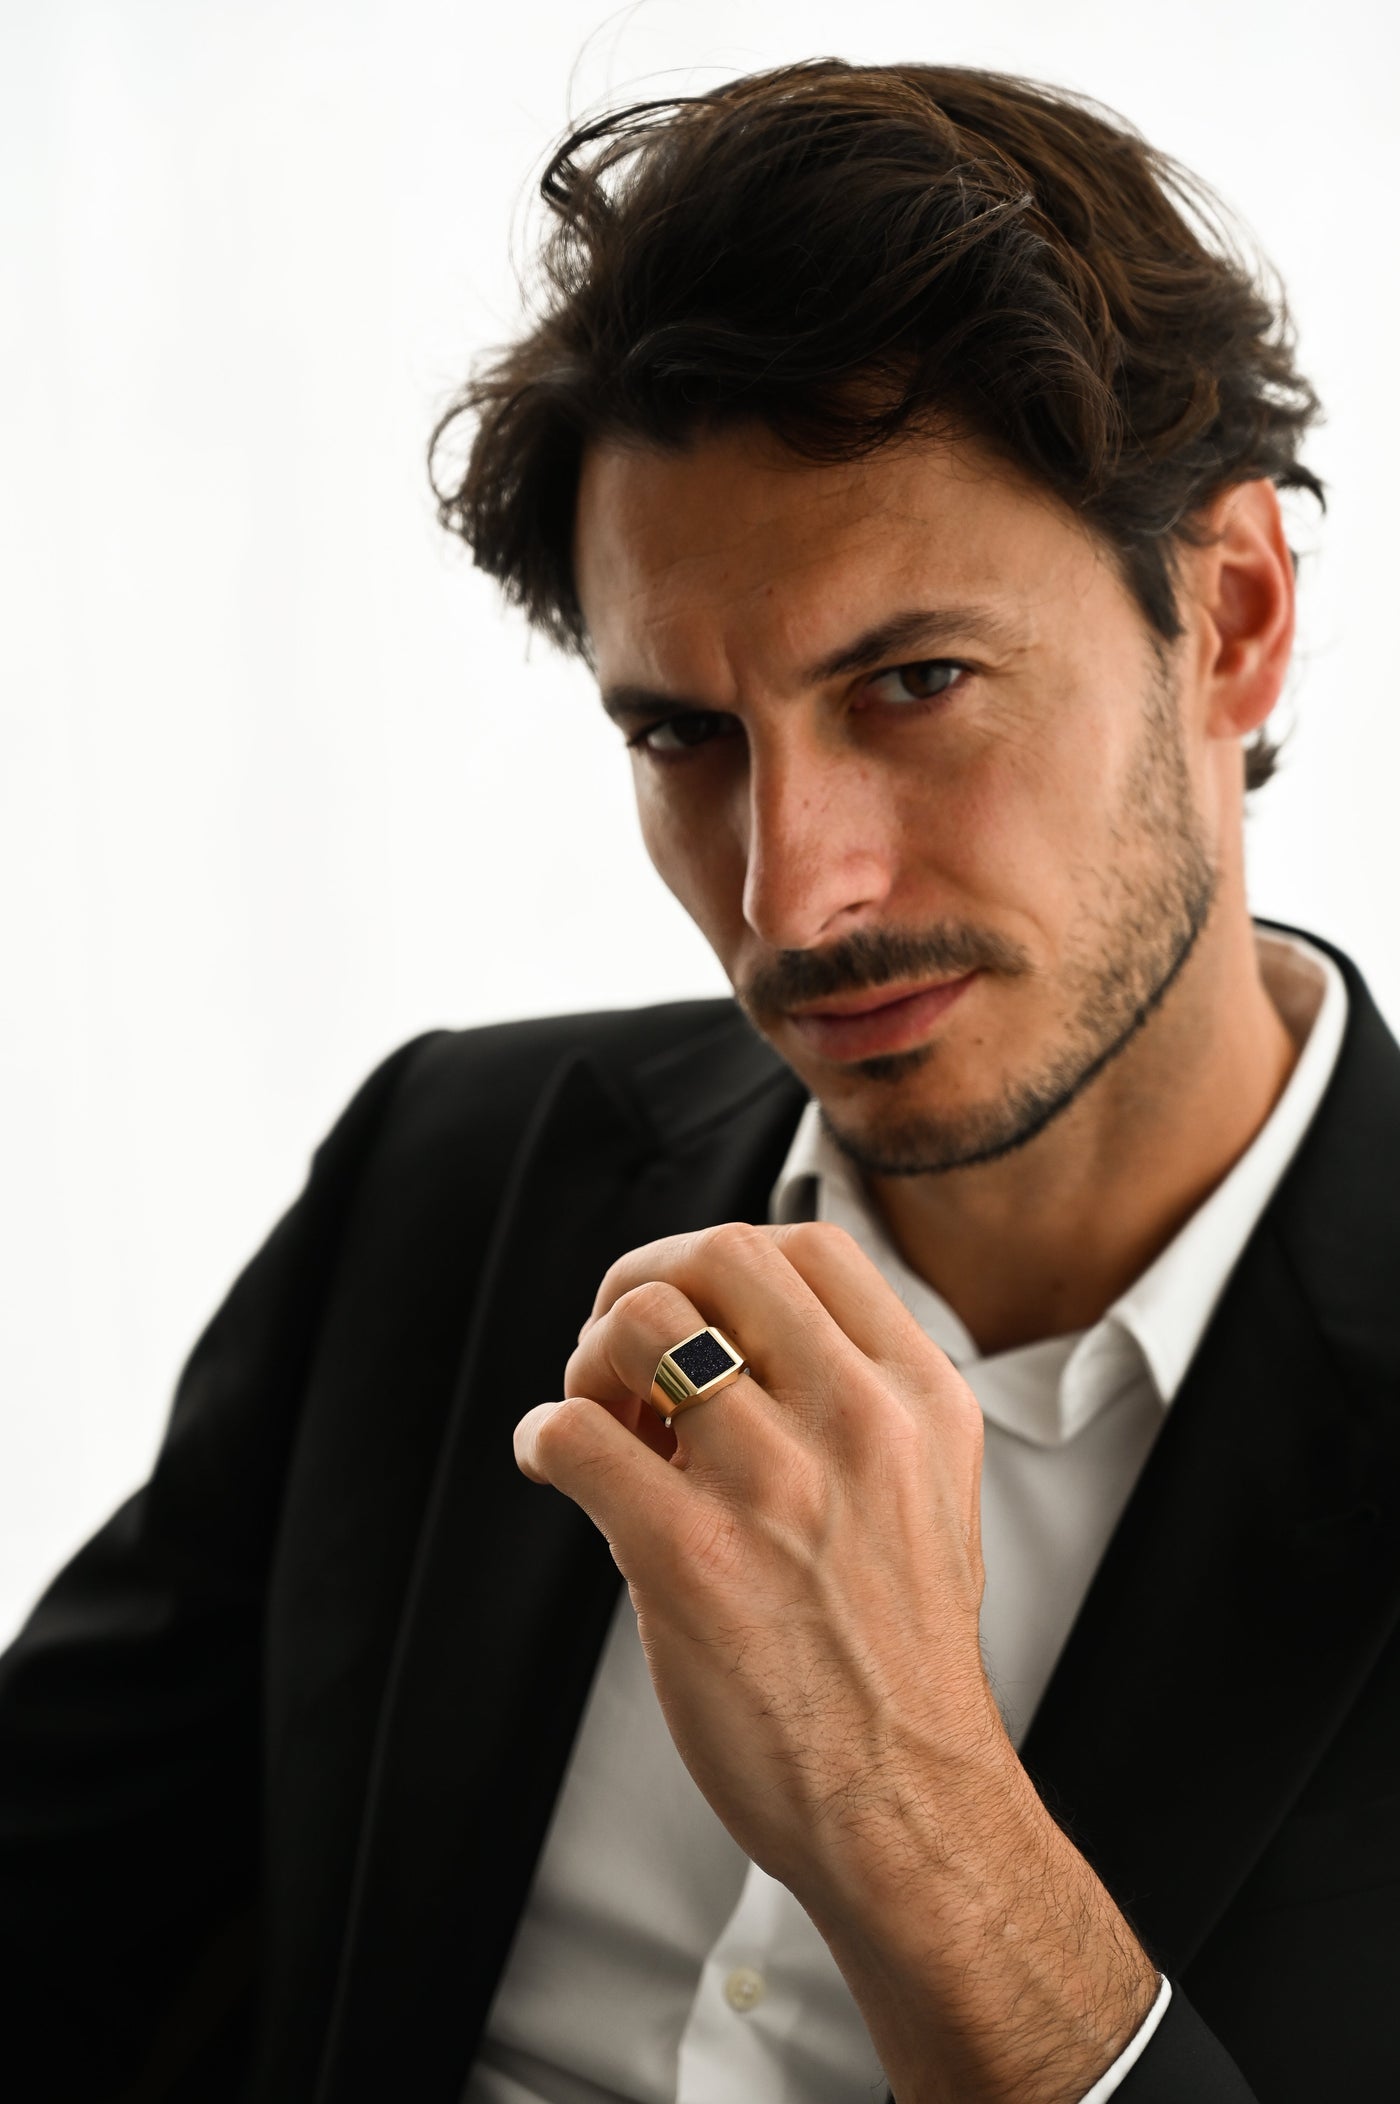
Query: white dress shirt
point(654, 1963)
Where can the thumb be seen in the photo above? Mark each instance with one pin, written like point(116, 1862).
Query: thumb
point(526, 1437)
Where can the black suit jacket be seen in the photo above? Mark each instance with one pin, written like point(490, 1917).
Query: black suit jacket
point(279, 1747)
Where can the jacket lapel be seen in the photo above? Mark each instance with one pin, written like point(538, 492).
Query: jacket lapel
point(1254, 1575)
point(514, 1589)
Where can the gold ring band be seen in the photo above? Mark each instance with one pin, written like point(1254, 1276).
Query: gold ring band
point(694, 1370)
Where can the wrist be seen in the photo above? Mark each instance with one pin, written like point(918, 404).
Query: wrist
point(990, 1963)
point(924, 1814)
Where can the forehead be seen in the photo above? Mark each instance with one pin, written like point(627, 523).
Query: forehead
point(734, 546)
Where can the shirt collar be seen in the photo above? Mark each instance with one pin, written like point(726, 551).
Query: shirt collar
point(1049, 1390)
point(1168, 1307)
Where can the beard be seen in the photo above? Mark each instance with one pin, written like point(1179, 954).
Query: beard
point(1128, 948)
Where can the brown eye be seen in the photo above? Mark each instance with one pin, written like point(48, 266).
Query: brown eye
point(678, 734)
point(922, 682)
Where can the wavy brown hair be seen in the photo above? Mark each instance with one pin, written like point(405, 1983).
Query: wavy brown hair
point(850, 253)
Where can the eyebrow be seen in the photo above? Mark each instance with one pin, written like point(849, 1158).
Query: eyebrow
point(915, 628)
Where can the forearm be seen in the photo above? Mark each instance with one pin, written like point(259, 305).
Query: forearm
point(989, 1962)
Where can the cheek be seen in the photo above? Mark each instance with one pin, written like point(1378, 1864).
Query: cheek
point(1073, 835)
point(1009, 836)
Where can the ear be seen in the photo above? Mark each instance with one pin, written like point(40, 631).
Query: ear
point(1242, 582)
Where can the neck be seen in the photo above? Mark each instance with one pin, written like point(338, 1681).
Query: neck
point(1045, 1240)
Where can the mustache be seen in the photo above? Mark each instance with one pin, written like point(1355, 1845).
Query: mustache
point(876, 957)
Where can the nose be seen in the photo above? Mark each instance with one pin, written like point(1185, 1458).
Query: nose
point(819, 851)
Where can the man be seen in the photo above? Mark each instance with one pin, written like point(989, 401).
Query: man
point(989, 1401)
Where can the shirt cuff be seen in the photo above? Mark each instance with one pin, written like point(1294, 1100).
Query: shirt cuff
point(1133, 2051)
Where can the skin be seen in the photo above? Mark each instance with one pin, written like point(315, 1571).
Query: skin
point(1030, 794)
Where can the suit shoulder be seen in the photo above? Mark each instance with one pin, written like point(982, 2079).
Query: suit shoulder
point(518, 1057)
point(477, 1087)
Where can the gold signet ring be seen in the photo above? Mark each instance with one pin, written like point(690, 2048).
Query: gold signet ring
point(694, 1370)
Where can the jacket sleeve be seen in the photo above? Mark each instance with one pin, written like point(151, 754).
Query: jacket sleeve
point(130, 1707)
point(1184, 2063)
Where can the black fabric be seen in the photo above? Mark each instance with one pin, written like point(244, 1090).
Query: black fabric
point(1184, 2061)
point(279, 1748)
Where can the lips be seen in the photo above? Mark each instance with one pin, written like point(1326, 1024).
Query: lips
point(884, 1026)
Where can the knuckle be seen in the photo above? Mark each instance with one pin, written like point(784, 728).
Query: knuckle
point(818, 1238)
point(737, 1242)
point(651, 1307)
point(942, 1391)
point(629, 1269)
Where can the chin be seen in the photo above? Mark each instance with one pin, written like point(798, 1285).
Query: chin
point(893, 1127)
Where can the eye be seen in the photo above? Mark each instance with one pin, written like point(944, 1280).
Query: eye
point(675, 735)
point(904, 685)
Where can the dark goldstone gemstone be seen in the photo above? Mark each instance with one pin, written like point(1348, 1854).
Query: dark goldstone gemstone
point(703, 1359)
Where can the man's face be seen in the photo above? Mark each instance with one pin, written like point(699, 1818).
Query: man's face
point(905, 751)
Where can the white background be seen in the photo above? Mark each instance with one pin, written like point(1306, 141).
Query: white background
point(279, 782)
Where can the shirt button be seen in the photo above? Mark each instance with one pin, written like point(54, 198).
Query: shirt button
point(744, 1989)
